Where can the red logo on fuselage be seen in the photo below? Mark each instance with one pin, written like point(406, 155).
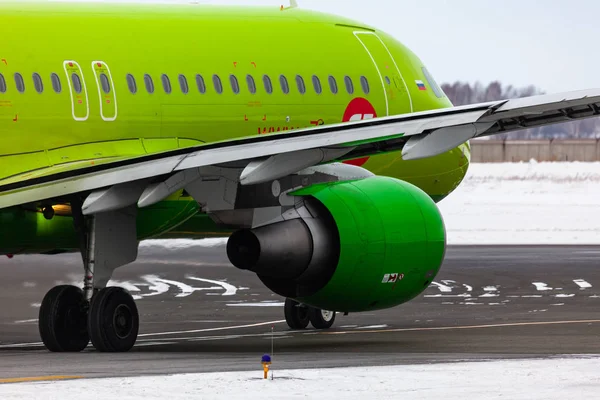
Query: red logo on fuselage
point(359, 109)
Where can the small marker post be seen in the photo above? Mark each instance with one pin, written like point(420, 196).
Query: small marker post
point(272, 350)
point(266, 362)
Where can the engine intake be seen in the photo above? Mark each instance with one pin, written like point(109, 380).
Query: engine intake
point(302, 250)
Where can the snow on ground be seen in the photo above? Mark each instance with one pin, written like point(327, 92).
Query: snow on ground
point(526, 203)
point(548, 379)
point(512, 203)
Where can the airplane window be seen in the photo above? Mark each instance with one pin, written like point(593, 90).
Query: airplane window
point(268, 84)
point(20, 82)
point(149, 83)
point(437, 90)
point(349, 85)
point(2, 84)
point(300, 83)
point(333, 84)
point(76, 83)
point(365, 84)
point(218, 84)
point(105, 83)
point(317, 84)
point(37, 83)
point(201, 84)
point(251, 84)
point(131, 84)
point(56, 85)
point(285, 87)
point(166, 82)
point(183, 83)
point(235, 86)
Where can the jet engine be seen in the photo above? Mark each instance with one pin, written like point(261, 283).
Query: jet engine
point(348, 246)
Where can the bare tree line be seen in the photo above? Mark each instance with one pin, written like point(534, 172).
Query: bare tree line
point(464, 93)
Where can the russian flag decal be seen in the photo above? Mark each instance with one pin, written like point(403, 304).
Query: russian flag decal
point(421, 85)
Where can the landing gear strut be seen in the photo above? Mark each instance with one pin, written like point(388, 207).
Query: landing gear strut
point(299, 315)
point(69, 317)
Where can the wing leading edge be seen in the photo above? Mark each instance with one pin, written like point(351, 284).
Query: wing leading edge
point(417, 135)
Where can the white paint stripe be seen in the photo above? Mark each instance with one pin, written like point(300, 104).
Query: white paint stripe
point(490, 289)
point(541, 286)
point(230, 336)
point(154, 344)
point(565, 295)
point(450, 328)
point(372, 327)
point(230, 290)
point(26, 321)
point(255, 305)
point(443, 288)
point(582, 283)
point(156, 286)
point(223, 328)
point(186, 290)
point(8, 346)
point(130, 287)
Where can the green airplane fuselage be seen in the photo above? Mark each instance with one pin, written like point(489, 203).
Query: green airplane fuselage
point(85, 83)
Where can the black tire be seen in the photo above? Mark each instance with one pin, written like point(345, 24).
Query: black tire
point(63, 320)
point(113, 321)
point(321, 319)
point(296, 315)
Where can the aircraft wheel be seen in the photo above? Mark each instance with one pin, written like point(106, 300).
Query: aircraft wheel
point(113, 320)
point(296, 314)
point(321, 319)
point(63, 320)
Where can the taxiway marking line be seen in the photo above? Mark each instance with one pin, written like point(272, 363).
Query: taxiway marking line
point(222, 328)
point(40, 379)
point(448, 328)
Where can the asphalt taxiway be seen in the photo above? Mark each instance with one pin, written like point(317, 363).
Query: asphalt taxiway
point(198, 314)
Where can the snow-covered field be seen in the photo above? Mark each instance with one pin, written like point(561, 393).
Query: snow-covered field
point(516, 379)
point(526, 203)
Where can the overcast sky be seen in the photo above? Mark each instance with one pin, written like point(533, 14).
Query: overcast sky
point(553, 44)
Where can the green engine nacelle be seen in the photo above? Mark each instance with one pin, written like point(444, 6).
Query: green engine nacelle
point(384, 238)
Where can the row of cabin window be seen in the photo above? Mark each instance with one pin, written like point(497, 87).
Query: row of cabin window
point(250, 82)
point(38, 84)
point(183, 84)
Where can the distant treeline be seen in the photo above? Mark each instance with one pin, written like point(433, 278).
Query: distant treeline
point(464, 93)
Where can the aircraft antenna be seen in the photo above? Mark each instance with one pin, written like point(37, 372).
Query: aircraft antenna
point(293, 4)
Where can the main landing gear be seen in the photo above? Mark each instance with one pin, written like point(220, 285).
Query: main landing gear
point(69, 316)
point(299, 315)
